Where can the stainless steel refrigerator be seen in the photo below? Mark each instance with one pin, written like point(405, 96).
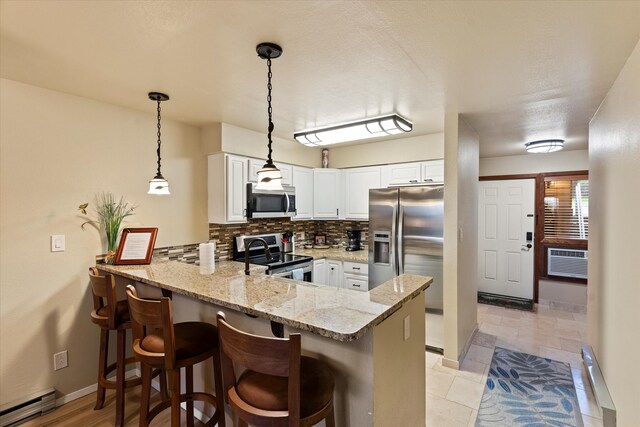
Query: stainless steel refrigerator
point(406, 236)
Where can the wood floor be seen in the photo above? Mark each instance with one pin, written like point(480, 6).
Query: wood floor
point(80, 413)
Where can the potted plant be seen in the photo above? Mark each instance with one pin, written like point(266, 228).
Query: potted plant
point(110, 215)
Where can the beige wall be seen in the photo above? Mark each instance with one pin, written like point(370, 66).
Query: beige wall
point(614, 270)
point(58, 151)
point(460, 236)
point(227, 138)
point(412, 149)
point(535, 163)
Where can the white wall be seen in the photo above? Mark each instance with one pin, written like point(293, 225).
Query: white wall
point(460, 236)
point(57, 152)
point(535, 163)
point(411, 149)
point(614, 271)
point(223, 137)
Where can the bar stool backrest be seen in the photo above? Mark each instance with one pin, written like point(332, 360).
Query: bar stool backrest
point(103, 289)
point(271, 356)
point(152, 316)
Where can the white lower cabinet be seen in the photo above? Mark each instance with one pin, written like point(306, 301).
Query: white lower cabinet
point(320, 271)
point(334, 273)
point(356, 276)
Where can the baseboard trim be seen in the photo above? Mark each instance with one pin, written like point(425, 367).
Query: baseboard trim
point(89, 389)
point(599, 387)
point(455, 364)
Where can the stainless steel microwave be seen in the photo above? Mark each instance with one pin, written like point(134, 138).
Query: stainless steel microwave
point(270, 203)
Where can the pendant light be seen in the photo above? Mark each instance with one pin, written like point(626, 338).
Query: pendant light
point(269, 177)
point(158, 185)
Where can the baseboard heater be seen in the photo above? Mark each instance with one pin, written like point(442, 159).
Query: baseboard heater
point(505, 301)
point(30, 407)
point(600, 390)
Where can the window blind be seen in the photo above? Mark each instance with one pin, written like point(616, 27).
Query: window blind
point(566, 209)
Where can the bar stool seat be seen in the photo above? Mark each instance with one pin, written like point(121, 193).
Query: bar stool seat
point(270, 392)
point(111, 315)
point(158, 343)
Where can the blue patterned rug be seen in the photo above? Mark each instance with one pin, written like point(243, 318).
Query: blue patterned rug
point(528, 391)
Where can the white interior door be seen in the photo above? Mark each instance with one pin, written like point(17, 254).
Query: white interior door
point(505, 249)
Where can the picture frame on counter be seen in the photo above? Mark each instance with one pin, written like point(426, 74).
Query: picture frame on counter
point(136, 246)
point(320, 239)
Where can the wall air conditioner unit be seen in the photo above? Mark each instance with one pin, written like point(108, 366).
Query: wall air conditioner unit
point(567, 263)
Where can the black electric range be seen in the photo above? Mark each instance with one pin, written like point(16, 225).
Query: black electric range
point(281, 264)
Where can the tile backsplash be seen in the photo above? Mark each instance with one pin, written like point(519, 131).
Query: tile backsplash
point(335, 231)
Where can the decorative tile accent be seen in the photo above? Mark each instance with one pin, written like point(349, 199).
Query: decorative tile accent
point(336, 231)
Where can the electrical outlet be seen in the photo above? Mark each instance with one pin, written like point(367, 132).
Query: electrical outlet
point(60, 360)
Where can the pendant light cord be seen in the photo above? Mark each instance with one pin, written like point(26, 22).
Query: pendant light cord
point(269, 110)
point(159, 175)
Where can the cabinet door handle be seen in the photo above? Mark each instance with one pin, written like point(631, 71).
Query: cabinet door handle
point(413, 180)
point(428, 180)
point(356, 268)
point(336, 212)
point(355, 285)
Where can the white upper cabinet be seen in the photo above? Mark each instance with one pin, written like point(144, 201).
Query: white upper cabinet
point(404, 173)
point(256, 164)
point(358, 182)
point(227, 194)
point(433, 171)
point(302, 179)
point(327, 193)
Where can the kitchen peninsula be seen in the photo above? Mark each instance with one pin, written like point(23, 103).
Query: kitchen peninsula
point(374, 341)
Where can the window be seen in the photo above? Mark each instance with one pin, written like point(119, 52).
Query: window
point(566, 208)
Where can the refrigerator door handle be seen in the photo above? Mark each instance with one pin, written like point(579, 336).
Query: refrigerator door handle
point(393, 244)
point(400, 240)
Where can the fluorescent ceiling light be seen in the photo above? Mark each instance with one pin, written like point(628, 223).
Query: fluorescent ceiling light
point(391, 124)
point(545, 146)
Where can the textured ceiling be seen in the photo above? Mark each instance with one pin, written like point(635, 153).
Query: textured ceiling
point(517, 71)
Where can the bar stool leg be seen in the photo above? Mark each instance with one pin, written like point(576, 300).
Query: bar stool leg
point(120, 381)
point(189, 389)
point(102, 367)
point(174, 384)
point(217, 378)
point(145, 394)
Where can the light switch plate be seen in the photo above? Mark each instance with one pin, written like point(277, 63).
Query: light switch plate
point(57, 243)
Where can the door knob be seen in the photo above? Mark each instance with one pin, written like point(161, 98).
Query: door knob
point(526, 247)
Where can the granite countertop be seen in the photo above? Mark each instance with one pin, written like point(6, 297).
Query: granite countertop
point(339, 254)
point(340, 314)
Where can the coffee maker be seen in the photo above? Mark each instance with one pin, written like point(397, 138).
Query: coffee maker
point(354, 240)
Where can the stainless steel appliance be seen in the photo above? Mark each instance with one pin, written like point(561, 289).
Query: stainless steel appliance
point(354, 240)
point(406, 235)
point(270, 203)
point(290, 266)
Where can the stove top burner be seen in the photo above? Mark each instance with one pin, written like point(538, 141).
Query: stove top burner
point(279, 259)
point(257, 256)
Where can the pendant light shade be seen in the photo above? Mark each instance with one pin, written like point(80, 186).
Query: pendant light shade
point(544, 146)
point(269, 177)
point(158, 185)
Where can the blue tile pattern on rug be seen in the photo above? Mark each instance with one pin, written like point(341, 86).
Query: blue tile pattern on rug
point(528, 391)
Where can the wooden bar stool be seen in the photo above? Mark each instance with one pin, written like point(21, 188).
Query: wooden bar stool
point(161, 344)
point(111, 315)
point(279, 386)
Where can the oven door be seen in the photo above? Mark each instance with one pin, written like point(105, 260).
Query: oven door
point(287, 272)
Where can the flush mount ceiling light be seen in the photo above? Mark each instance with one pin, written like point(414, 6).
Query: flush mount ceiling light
point(269, 177)
point(391, 124)
point(158, 185)
point(545, 146)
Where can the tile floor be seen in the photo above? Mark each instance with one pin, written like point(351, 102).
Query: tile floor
point(555, 331)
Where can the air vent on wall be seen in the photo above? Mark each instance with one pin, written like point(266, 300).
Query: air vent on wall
point(567, 263)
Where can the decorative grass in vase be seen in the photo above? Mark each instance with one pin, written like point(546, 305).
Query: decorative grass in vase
point(110, 216)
